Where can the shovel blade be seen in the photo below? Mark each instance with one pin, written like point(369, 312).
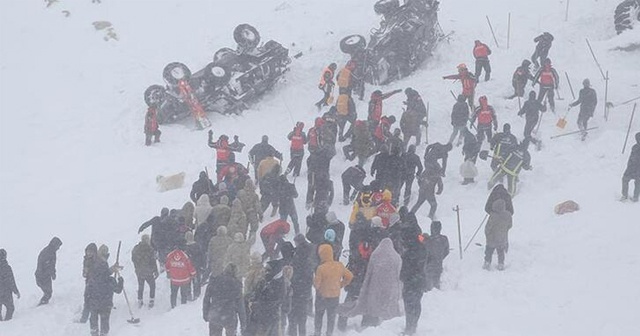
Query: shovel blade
point(562, 122)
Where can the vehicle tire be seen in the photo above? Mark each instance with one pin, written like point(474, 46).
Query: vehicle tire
point(154, 95)
point(352, 43)
point(626, 13)
point(217, 75)
point(222, 54)
point(246, 36)
point(174, 72)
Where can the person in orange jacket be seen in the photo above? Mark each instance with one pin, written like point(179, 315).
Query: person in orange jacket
point(151, 128)
point(468, 81)
point(180, 271)
point(331, 276)
point(326, 85)
point(481, 53)
point(486, 116)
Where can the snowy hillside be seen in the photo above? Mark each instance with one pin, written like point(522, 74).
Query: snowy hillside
point(73, 162)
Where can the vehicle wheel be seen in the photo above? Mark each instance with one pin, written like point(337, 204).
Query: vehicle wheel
point(626, 13)
point(352, 43)
point(222, 54)
point(154, 95)
point(272, 45)
point(174, 72)
point(217, 75)
point(246, 36)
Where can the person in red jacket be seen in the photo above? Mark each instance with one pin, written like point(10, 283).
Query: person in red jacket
point(486, 116)
point(386, 209)
point(298, 139)
point(224, 149)
point(468, 83)
point(383, 130)
point(375, 106)
point(548, 79)
point(314, 139)
point(326, 85)
point(180, 271)
point(272, 236)
point(151, 128)
point(481, 53)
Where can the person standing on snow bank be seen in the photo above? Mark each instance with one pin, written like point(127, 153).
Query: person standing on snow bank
point(326, 85)
point(412, 169)
point(511, 166)
point(459, 119)
point(497, 233)
point(587, 99)
point(531, 110)
point(542, 48)
point(632, 172)
point(223, 305)
point(151, 128)
point(548, 79)
point(146, 269)
point(499, 192)
point(46, 269)
point(180, 271)
point(99, 294)
point(437, 251)
point(224, 149)
point(413, 277)
point(7, 287)
point(331, 276)
point(486, 116)
point(262, 151)
point(298, 139)
point(428, 181)
point(468, 83)
point(481, 53)
point(520, 78)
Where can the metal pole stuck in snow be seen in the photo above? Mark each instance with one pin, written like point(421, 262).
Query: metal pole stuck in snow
point(629, 129)
point(492, 33)
point(508, 29)
point(457, 210)
point(566, 13)
point(595, 59)
point(570, 86)
point(606, 94)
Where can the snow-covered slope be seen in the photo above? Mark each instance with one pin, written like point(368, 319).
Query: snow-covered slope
point(73, 164)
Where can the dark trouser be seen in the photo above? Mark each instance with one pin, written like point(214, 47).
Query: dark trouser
point(271, 245)
point(483, 64)
point(370, 321)
point(539, 54)
point(583, 122)
point(518, 90)
point(408, 183)
point(298, 316)
point(196, 284)
point(184, 294)
point(152, 286)
point(411, 133)
point(347, 195)
point(433, 278)
point(548, 91)
point(290, 211)
point(47, 288)
point(148, 136)
point(412, 309)
point(484, 130)
point(103, 315)
point(497, 178)
point(327, 93)
point(329, 305)
point(8, 303)
point(488, 254)
point(427, 194)
point(215, 329)
point(267, 199)
point(457, 132)
point(296, 163)
point(625, 187)
point(528, 128)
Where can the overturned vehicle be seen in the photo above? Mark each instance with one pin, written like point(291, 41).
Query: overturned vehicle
point(226, 85)
point(407, 35)
point(626, 15)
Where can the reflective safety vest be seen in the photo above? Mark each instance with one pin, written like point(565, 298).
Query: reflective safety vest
point(485, 117)
point(297, 140)
point(324, 75)
point(513, 164)
point(344, 78)
point(342, 105)
point(546, 78)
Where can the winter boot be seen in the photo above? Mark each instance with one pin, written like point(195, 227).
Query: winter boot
point(624, 198)
point(140, 304)
point(634, 199)
point(500, 267)
point(151, 303)
point(486, 266)
point(467, 181)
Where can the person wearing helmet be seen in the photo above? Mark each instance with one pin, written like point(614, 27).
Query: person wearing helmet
point(520, 78)
point(468, 81)
point(512, 166)
point(502, 144)
point(542, 48)
point(481, 53)
point(632, 172)
point(326, 85)
point(298, 139)
point(587, 99)
point(486, 116)
point(548, 79)
point(531, 110)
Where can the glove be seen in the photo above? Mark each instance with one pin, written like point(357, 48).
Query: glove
point(18, 294)
point(53, 276)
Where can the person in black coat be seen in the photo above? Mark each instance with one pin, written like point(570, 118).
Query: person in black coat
point(437, 151)
point(531, 111)
point(388, 168)
point(459, 119)
point(587, 99)
point(7, 287)
point(499, 192)
point(520, 78)
point(264, 318)
point(632, 172)
point(201, 187)
point(261, 151)
point(46, 269)
point(413, 277)
point(502, 144)
point(318, 176)
point(99, 296)
point(198, 258)
point(316, 225)
point(412, 168)
point(471, 146)
point(353, 177)
point(437, 250)
point(223, 305)
point(286, 193)
point(543, 46)
point(301, 284)
point(430, 179)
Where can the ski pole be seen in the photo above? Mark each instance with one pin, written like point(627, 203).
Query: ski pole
point(629, 129)
point(574, 132)
point(477, 230)
point(457, 210)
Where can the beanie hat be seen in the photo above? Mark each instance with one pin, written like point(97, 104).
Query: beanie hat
point(376, 222)
point(330, 235)
point(331, 217)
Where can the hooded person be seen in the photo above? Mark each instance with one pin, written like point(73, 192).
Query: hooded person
point(238, 253)
point(7, 287)
point(255, 273)
point(381, 293)
point(632, 172)
point(437, 250)
point(413, 277)
point(90, 255)
point(301, 283)
point(531, 110)
point(587, 99)
point(46, 269)
point(338, 228)
point(238, 220)
point(197, 255)
point(499, 192)
point(265, 305)
point(486, 116)
point(251, 204)
point(223, 305)
point(413, 116)
point(146, 269)
point(497, 233)
point(203, 186)
point(331, 276)
point(459, 119)
point(222, 212)
point(187, 211)
point(217, 250)
point(203, 209)
point(272, 236)
point(99, 293)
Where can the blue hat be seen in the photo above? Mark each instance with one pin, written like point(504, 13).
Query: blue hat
point(330, 235)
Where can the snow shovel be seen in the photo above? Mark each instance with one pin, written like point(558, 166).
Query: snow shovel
point(562, 122)
point(484, 154)
point(133, 319)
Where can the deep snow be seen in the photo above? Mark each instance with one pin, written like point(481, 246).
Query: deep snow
point(73, 164)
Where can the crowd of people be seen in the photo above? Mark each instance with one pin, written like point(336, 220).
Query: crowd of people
point(390, 261)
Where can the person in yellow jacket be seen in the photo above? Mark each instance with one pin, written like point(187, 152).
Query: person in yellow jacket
point(363, 204)
point(268, 165)
point(331, 276)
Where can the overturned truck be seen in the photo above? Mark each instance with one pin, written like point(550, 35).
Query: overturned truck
point(407, 35)
point(226, 85)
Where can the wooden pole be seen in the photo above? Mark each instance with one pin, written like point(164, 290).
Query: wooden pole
point(629, 128)
point(566, 12)
point(508, 29)
point(606, 94)
point(492, 33)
